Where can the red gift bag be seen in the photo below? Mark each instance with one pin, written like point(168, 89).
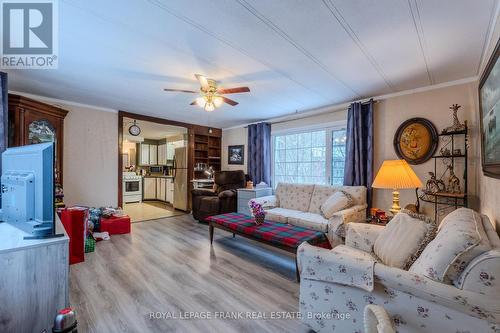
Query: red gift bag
point(74, 220)
point(115, 225)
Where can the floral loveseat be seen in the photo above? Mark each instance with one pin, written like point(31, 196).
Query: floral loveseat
point(300, 204)
point(420, 299)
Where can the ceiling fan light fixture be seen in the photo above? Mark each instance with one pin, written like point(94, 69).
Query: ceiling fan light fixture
point(200, 101)
point(217, 100)
point(209, 107)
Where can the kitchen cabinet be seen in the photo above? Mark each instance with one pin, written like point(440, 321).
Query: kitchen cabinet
point(170, 151)
point(144, 155)
point(149, 190)
point(162, 154)
point(170, 190)
point(161, 189)
point(153, 154)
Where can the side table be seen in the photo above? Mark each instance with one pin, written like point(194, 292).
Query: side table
point(246, 194)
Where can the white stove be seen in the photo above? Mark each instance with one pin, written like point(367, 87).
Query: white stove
point(132, 187)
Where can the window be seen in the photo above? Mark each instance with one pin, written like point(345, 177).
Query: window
point(338, 156)
point(308, 157)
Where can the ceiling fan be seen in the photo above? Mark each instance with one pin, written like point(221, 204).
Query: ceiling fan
point(211, 95)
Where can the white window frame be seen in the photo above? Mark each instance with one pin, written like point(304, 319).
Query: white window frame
point(328, 128)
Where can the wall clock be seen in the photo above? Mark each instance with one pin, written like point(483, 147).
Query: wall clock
point(134, 129)
point(416, 140)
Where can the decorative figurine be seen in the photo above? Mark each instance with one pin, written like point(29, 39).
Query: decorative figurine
point(457, 126)
point(453, 182)
point(445, 152)
point(434, 185)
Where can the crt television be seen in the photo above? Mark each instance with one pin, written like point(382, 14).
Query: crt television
point(27, 186)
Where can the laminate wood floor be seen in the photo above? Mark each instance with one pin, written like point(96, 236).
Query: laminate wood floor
point(169, 267)
point(149, 210)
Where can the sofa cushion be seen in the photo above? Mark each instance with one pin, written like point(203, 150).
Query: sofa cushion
point(358, 194)
point(320, 194)
point(481, 275)
point(338, 201)
point(294, 196)
point(460, 239)
point(403, 239)
point(281, 215)
point(309, 221)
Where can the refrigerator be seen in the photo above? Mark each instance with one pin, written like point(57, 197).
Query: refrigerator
point(180, 179)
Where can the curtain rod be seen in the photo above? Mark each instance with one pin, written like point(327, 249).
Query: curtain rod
point(315, 114)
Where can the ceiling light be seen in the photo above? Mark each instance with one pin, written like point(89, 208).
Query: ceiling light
point(209, 107)
point(200, 101)
point(217, 100)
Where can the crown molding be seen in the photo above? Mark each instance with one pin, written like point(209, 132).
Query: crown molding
point(61, 102)
point(342, 107)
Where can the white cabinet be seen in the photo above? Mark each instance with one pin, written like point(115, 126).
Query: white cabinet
point(149, 191)
point(161, 189)
point(144, 156)
point(170, 151)
point(170, 190)
point(153, 154)
point(162, 154)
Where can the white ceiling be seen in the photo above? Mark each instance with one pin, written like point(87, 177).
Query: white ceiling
point(153, 131)
point(293, 54)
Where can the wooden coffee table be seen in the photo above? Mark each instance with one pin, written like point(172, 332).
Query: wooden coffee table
point(283, 236)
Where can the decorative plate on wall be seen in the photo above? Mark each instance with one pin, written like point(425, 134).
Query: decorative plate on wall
point(416, 140)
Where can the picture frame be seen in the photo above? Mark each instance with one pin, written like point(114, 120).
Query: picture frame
point(236, 154)
point(489, 115)
point(416, 140)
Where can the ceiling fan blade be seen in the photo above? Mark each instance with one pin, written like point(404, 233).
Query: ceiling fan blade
point(229, 101)
point(193, 103)
point(203, 81)
point(233, 90)
point(181, 90)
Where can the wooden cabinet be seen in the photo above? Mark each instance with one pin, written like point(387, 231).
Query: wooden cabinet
point(32, 122)
point(149, 190)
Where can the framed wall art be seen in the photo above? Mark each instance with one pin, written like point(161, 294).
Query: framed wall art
point(416, 140)
point(489, 108)
point(236, 154)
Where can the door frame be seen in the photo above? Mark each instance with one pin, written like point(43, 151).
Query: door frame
point(190, 130)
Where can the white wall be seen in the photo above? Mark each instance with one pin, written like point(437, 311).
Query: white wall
point(235, 136)
point(90, 157)
point(433, 105)
point(489, 188)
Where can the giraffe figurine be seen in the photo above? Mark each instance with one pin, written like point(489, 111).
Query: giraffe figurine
point(457, 126)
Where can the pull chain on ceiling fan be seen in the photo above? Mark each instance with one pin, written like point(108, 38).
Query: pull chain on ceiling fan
point(211, 96)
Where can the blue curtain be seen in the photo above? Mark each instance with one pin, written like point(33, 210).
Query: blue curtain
point(259, 153)
point(358, 169)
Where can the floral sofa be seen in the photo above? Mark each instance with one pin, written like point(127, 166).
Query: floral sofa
point(300, 204)
point(420, 299)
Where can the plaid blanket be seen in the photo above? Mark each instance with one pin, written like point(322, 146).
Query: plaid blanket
point(276, 233)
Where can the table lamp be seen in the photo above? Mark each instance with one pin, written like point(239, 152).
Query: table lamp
point(396, 174)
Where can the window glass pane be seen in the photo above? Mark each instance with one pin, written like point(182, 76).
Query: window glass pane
point(300, 158)
point(338, 156)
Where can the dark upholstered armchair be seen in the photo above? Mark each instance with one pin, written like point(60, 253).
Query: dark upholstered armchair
point(222, 199)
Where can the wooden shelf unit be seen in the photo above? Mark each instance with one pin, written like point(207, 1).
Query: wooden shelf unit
point(207, 149)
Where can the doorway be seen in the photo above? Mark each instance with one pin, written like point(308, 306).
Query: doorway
point(153, 167)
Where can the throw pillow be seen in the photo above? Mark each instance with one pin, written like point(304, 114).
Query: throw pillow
point(460, 239)
point(338, 201)
point(403, 239)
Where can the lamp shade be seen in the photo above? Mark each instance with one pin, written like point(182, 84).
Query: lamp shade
point(396, 174)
